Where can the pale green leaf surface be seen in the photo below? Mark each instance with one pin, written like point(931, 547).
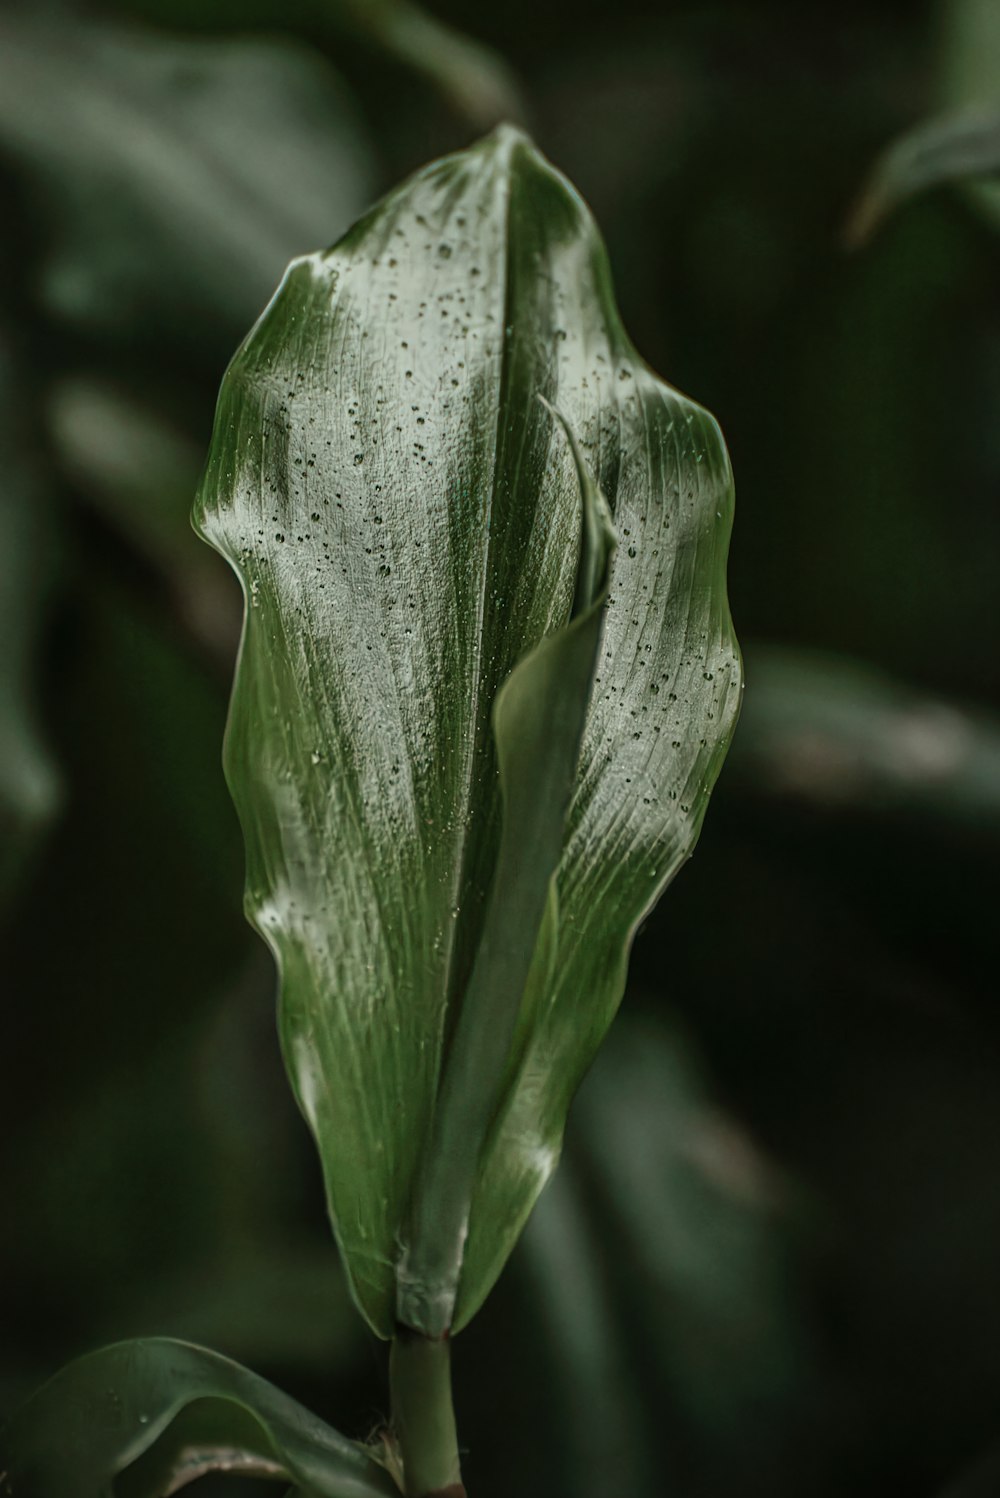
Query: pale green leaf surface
point(144, 1418)
point(405, 519)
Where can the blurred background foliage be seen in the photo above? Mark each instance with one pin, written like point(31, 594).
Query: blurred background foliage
point(768, 1265)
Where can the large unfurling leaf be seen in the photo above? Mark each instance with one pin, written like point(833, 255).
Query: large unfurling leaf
point(411, 523)
point(145, 1418)
point(538, 720)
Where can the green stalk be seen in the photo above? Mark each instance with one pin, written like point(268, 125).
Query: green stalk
point(423, 1416)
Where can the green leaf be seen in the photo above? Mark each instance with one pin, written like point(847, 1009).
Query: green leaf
point(405, 518)
point(593, 1371)
point(961, 144)
point(690, 1215)
point(979, 1480)
point(538, 720)
point(968, 55)
point(838, 734)
point(30, 783)
point(175, 177)
point(143, 1418)
point(953, 148)
point(467, 75)
point(659, 1264)
point(137, 468)
point(967, 63)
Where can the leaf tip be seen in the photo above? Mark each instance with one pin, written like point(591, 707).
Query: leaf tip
point(507, 137)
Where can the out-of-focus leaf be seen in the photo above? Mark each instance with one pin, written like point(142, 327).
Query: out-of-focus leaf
point(833, 732)
point(130, 460)
point(472, 79)
point(405, 519)
point(601, 1441)
point(284, 1304)
point(982, 1480)
point(953, 148)
point(29, 781)
point(141, 1419)
point(689, 1210)
point(139, 470)
point(176, 178)
point(657, 1261)
point(970, 53)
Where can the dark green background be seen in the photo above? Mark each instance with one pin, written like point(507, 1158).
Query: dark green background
point(769, 1265)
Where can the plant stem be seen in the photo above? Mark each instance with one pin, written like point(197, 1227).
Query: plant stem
point(422, 1415)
